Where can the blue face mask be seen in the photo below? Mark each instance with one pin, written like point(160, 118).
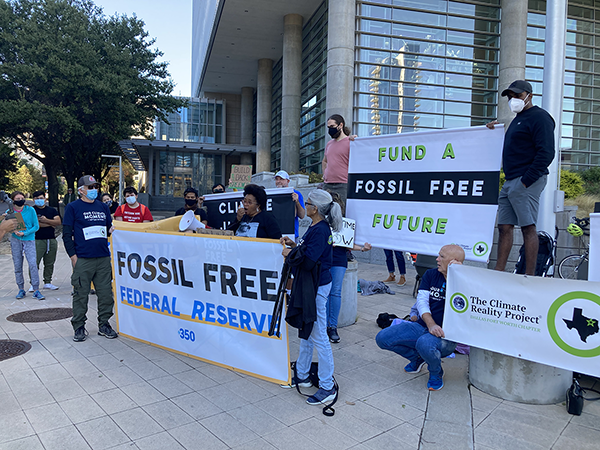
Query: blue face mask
point(39, 202)
point(92, 194)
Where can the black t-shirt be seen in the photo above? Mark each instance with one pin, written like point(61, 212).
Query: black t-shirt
point(434, 282)
point(199, 212)
point(45, 232)
point(340, 257)
point(318, 244)
point(262, 225)
point(113, 207)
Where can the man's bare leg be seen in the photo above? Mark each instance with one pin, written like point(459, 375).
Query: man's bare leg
point(505, 242)
point(532, 243)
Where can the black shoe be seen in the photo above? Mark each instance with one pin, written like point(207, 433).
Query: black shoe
point(334, 337)
point(106, 331)
point(350, 256)
point(80, 334)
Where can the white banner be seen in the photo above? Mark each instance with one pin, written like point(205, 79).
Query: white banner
point(547, 320)
point(420, 191)
point(209, 297)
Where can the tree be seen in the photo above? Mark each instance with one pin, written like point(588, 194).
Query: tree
point(76, 82)
point(26, 179)
point(8, 165)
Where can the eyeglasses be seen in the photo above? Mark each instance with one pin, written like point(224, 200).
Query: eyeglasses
point(93, 186)
point(218, 191)
point(333, 127)
point(309, 204)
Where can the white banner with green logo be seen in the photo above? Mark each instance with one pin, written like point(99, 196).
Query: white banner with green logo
point(420, 191)
point(547, 320)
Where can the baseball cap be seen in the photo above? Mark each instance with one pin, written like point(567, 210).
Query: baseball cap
point(517, 87)
point(86, 180)
point(282, 174)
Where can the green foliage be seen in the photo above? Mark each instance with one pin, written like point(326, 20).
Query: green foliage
point(27, 178)
point(314, 177)
point(502, 178)
point(591, 180)
point(75, 82)
point(8, 165)
point(571, 183)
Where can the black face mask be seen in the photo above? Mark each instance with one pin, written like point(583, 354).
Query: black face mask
point(218, 191)
point(19, 202)
point(333, 132)
point(190, 202)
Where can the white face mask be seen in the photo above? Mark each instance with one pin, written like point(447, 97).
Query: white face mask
point(131, 199)
point(517, 105)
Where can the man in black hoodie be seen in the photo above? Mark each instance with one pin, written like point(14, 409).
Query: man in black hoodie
point(528, 151)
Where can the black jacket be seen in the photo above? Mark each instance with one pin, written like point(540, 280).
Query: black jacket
point(302, 310)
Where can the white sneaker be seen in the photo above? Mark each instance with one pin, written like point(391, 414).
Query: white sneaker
point(30, 289)
point(50, 286)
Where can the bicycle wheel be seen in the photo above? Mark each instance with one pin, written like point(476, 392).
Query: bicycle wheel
point(569, 266)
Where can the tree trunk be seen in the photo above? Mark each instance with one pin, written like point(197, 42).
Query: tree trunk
point(51, 175)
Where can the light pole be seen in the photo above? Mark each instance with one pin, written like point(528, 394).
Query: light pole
point(120, 174)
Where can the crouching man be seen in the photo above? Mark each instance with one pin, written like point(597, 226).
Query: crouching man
point(423, 341)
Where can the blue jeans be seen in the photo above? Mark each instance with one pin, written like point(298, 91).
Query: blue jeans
point(413, 341)
point(319, 339)
point(389, 260)
point(334, 303)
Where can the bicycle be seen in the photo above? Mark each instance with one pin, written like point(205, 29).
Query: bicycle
point(571, 265)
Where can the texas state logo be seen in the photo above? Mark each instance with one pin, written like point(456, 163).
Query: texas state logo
point(573, 323)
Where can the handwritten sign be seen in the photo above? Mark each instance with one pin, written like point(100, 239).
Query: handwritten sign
point(241, 175)
point(345, 237)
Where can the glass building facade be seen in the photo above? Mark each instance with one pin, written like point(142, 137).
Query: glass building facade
point(425, 64)
point(580, 133)
point(203, 120)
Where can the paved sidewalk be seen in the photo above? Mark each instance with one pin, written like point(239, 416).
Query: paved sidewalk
point(122, 394)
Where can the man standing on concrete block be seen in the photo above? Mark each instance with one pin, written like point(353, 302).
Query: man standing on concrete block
point(86, 227)
point(528, 151)
point(423, 341)
point(282, 180)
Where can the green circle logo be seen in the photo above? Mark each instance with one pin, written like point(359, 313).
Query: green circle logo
point(480, 248)
point(459, 303)
point(590, 353)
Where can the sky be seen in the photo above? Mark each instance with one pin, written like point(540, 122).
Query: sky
point(170, 23)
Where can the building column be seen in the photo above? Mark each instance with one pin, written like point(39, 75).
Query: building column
point(513, 49)
point(340, 59)
point(290, 92)
point(247, 115)
point(150, 182)
point(264, 89)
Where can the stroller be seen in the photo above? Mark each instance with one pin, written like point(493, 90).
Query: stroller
point(545, 259)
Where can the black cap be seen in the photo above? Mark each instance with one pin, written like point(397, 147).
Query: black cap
point(517, 87)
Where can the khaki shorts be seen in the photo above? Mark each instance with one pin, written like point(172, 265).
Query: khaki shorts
point(518, 205)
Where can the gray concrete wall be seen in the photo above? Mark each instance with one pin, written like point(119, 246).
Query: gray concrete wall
point(264, 96)
point(246, 116)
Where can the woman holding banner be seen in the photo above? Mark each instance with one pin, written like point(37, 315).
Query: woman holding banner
point(338, 270)
point(253, 220)
point(315, 247)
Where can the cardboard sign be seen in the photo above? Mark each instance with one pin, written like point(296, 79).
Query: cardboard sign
point(345, 237)
point(20, 222)
point(241, 175)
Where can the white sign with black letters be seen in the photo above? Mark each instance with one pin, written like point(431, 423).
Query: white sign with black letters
point(210, 297)
point(345, 237)
point(420, 191)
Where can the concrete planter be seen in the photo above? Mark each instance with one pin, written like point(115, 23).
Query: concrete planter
point(348, 311)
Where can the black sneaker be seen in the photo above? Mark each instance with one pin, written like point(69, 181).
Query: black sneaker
point(350, 256)
point(321, 396)
point(106, 331)
point(306, 383)
point(80, 334)
point(334, 337)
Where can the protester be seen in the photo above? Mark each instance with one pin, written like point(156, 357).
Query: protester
point(389, 260)
point(132, 211)
point(337, 154)
point(282, 180)
point(69, 197)
point(218, 188)
point(86, 227)
point(23, 242)
point(45, 239)
point(527, 153)
point(314, 247)
point(338, 270)
point(193, 203)
point(423, 341)
point(253, 219)
point(107, 199)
